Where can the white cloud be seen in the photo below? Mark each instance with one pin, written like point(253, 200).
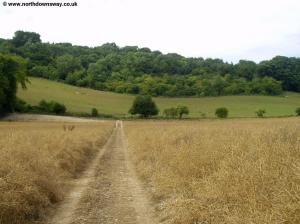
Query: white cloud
point(233, 29)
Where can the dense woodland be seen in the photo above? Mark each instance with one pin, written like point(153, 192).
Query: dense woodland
point(141, 71)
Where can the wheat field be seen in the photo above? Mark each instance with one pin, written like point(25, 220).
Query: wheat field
point(38, 162)
point(220, 171)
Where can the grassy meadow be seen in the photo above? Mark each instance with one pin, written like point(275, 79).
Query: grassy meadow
point(39, 160)
point(220, 171)
point(82, 100)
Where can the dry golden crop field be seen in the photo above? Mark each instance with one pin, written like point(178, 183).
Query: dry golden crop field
point(220, 171)
point(38, 162)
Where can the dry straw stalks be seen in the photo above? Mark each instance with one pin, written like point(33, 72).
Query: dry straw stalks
point(217, 172)
point(38, 161)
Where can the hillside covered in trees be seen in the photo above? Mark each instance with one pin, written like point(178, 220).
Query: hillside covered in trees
point(141, 71)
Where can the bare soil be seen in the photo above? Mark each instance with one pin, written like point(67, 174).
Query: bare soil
point(108, 192)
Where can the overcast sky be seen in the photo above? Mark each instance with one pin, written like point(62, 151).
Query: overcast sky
point(231, 29)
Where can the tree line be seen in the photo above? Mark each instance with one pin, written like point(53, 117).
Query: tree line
point(145, 107)
point(137, 70)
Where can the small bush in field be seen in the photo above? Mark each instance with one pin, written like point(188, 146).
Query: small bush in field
point(181, 110)
point(221, 112)
point(298, 111)
point(58, 108)
point(260, 113)
point(52, 107)
point(94, 112)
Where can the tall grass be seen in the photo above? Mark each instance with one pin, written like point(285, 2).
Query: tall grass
point(38, 161)
point(214, 172)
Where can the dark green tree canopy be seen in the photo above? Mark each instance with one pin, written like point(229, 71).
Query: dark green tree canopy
point(66, 64)
point(135, 70)
point(21, 38)
point(144, 106)
point(246, 69)
point(283, 69)
point(12, 73)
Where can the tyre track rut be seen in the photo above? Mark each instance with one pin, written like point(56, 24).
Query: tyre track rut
point(109, 191)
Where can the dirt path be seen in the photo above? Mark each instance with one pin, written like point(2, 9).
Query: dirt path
point(109, 192)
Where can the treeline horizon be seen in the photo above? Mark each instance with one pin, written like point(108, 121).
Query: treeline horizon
point(136, 70)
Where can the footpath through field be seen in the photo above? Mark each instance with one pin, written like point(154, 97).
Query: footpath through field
point(108, 192)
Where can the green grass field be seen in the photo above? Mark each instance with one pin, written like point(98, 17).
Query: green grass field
point(82, 100)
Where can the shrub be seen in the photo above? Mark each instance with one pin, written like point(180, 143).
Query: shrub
point(298, 111)
point(58, 108)
point(145, 106)
point(181, 110)
point(221, 112)
point(21, 106)
point(94, 112)
point(260, 112)
point(52, 107)
point(44, 106)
